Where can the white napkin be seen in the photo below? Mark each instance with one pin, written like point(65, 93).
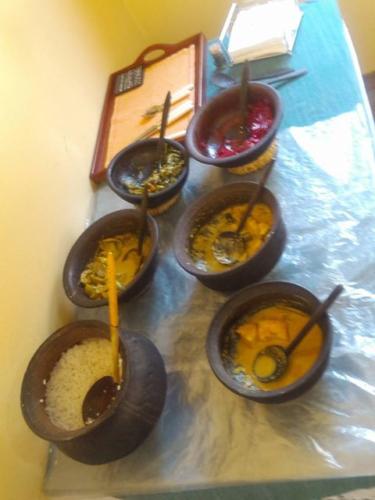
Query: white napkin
point(264, 28)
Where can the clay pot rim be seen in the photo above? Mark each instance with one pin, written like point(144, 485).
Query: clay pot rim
point(215, 332)
point(132, 148)
point(66, 435)
point(103, 221)
point(239, 158)
point(181, 240)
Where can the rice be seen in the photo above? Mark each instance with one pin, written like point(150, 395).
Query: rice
point(71, 378)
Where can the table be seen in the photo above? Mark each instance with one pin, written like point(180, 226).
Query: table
point(324, 442)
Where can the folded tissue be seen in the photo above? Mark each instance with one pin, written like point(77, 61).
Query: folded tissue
point(263, 28)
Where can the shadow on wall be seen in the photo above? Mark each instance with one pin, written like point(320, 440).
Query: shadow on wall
point(170, 21)
point(108, 25)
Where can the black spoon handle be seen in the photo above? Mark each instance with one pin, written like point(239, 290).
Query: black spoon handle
point(255, 197)
point(315, 317)
point(287, 76)
point(143, 223)
point(274, 74)
point(244, 98)
point(163, 126)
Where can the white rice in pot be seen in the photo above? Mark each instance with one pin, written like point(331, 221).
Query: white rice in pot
point(71, 378)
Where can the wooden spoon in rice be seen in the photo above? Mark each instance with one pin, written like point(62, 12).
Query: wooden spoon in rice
point(102, 393)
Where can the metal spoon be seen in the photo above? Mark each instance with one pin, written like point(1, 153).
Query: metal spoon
point(177, 96)
point(230, 245)
point(226, 81)
point(160, 149)
point(275, 357)
point(222, 80)
point(286, 77)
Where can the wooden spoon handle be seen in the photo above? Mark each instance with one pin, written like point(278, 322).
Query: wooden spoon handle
point(163, 126)
point(255, 196)
point(113, 315)
point(315, 317)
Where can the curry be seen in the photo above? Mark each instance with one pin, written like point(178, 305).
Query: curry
point(127, 260)
point(254, 234)
point(164, 175)
point(278, 324)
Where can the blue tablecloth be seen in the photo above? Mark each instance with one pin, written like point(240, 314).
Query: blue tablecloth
point(333, 84)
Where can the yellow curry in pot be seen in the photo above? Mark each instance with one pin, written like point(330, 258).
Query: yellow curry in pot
point(127, 260)
point(254, 234)
point(278, 324)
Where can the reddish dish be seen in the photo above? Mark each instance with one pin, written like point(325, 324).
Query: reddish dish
point(260, 120)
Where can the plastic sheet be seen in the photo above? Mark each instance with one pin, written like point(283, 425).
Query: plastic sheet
point(207, 436)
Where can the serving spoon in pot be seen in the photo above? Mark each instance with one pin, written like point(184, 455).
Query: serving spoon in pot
point(142, 228)
point(272, 361)
point(230, 245)
point(240, 130)
point(244, 99)
point(140, 169)
point(143, 224)
point(160, 148)
point(236, 128)
point(103, 391)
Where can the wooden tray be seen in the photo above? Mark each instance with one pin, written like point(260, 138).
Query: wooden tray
point(121, 122)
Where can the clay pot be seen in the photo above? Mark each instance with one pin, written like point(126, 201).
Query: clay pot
point(254, 298)
point(85, 247)
point(222, 109)
point(145, 152)
point(126, 423)
point(242, 274)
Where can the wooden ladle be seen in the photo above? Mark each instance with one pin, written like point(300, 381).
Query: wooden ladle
point(239, 131)
point(139, 171)
point(230, 245)
point(160, 148)
point(142, 229)
point(143, 224)
point(244, 100)
point(101, 394)
point(272, 361)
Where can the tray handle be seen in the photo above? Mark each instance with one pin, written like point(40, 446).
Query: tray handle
point(161, 50)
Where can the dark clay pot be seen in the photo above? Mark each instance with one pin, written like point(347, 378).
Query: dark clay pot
point(85, 247)
point(126, 423)
point(254, 298)
point(223, 108)
point(145, 152)
point(241, 274)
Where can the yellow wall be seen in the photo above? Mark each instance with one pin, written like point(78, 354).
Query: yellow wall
point(171, 21)
point(55, 58)
point(360, 19)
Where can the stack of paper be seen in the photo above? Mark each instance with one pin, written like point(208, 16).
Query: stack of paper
point(264, 28)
